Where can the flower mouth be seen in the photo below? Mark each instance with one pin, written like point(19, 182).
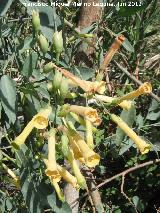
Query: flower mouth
point(92, 116)
point(40, 122)
point(145, 149)
point(53, 174)
point(93, 160)
point(147, 88)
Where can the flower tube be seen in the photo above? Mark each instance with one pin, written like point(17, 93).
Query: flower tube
point(39, 121)
point(19, 140)
point(113, 49)
point(52, 170)
point(87, 86)
point(74, 165)
point(77, 152)
point(124, 104)
point(91, 158)
point(58, 190)
point(89, 134)
point(88, 112)
point(67, 176)
point(65, 148)
point(141, 144)
point(145, 88)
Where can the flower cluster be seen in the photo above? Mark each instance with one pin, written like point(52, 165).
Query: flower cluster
point(77, 150)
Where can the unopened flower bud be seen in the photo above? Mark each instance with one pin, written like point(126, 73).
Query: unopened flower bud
point(57, 80)
point(63, 88)
point(50, 86)
point(48, 67)
point(43, 43)
point(64, 110)
point(35, 21)
point(58, 42)
point(64, 141)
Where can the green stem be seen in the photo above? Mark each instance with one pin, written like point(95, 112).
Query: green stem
point(57, 58)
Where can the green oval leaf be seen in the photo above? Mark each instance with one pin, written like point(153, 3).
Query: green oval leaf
point(8, 97)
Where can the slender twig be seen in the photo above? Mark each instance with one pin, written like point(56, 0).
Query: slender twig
point(8, 157)
point(18, 19)
point(127, 171)
point(125, 195)
point(135, 79)
point(72, 26)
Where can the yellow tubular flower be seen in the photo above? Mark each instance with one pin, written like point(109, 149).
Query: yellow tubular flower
point(67, 176)
point(124, 104)
point(52, 170)
point(112, 50)
point(80, 178)
point(88, 112)
point(39, 121)
point(141, 144)
point(91, 158)
point(87, 86)
point(58, 190)
point(19, 140)
point(16, 179)
point(145, 88)
point(77, 152)
point(89, 134)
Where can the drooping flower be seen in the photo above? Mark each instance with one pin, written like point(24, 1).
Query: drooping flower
point(76, 170)
point(52, 170)
point(57, 189)
point(67, 176)
point(39, 121)
point(90, 157)
point(77, 152)
point(140, 143)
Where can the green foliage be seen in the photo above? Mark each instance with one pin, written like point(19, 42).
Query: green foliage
point(8, 97)
point(23, 91)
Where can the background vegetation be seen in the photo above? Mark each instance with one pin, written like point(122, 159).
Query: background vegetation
point(23, 91)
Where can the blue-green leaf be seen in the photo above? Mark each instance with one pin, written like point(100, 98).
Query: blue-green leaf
point(30, 64)
point(8, 97)
point(5, 5)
